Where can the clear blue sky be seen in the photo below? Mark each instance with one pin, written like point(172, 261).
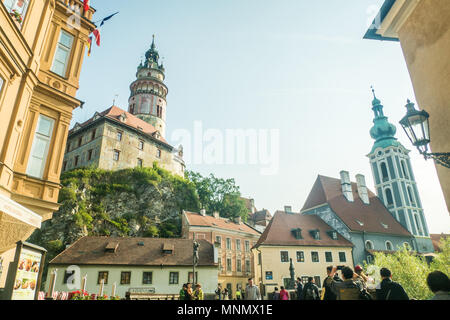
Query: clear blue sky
point(295, 65)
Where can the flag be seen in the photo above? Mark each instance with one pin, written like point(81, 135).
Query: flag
point(96, 33)
point(107, 18)
point(89, 46)
point(86, 5)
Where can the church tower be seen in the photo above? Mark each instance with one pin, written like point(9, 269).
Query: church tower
point(148, 91)
point(394, 179)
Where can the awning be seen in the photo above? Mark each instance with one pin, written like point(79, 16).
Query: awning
point(19, 212)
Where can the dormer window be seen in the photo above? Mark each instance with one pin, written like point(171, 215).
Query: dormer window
point(123, 117)
point(315, 234)
point(297, 233)
point(112, 247)
point(333, 234)
point(168, 248)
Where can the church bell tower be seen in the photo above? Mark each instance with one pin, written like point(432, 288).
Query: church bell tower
point(148, 92)
point(394, 179)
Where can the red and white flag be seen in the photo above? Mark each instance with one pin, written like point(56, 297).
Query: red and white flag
point(96, 33)
point(86, 5)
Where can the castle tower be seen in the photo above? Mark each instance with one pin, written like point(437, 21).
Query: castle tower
point(394, 179)
point(148, 91)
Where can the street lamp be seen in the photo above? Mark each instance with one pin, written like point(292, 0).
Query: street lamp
point(417, 128)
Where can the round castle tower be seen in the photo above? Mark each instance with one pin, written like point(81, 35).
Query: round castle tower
point(148, 92)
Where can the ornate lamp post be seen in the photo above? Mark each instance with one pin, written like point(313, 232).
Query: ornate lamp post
point(417, 128)
point(195, 260)
point(292, 273)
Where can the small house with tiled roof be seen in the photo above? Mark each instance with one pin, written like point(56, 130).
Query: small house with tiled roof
point(302, 242)
point(233, 239)
point(139, 265)
point(358, 215)
point(116, 139)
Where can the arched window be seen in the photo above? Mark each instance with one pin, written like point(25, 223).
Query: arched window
point(389, 197)
point(384, 172)
point(369, 245)
point(418, 225)
point(405, 173)
point(389, 246)
point(410, 194)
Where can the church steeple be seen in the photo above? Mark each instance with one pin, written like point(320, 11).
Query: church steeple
point(394, 178)
point(148, 92)
point(383, 132)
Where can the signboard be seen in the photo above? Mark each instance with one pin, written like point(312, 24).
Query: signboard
point(142, 290)
point(269, 275)
point(25, 273)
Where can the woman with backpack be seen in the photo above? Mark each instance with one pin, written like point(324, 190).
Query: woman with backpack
point(311, 291)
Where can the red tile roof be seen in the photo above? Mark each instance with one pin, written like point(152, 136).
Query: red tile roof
point(196, 219)
point(436, 239)
point(131, 120)
point(374, 216)
point(134, 252)
point(279, 231)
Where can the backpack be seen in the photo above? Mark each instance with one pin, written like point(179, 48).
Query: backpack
point(310, 293)
point(364, 295)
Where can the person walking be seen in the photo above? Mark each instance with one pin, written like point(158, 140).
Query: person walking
point(310, 291)
point(299, 288)
point(388, 289)
point(276, 294)
point(349, 289)
point(284, 295)
point(218, 291)
point(439, 284)
point(198, 292)
point(183, 292)
point(252, 291)
point(327, 293)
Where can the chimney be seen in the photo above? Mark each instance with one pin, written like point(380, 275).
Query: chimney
point(238, 220)
point(203, 212)
point(346, 186)
point(288, 209)
point(216, 215)
point(362, 188)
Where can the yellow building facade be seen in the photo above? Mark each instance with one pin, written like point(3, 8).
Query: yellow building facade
point(423, 29)
point(42, 46)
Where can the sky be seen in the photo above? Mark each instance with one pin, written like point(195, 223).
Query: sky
point(297, 69)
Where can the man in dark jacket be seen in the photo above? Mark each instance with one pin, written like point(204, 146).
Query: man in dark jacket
point(388, 289)
point(329, 294)
point(299, 289)
point(310, 291)
point(349, 289)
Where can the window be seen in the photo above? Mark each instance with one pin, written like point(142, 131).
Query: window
point(141, 145)
point(1, 84)
point(89, 155)
point(284, 256)
point(173, 277)
point(389, 197)
point(315, 256)
point(384, 172)
point(140, 163)
point(40, 147)
point(80, 141)
point(147, 278)
point(328, 257)
point(297, 233)
point(389, 246)
point(116, 155)
point(219, 240)
point(125, 277)
point(158, 153)
point(102, 275)
point(418, 226)
point(369, 245)
point(64, 165)
point(69, 277)
point(300, 256)
point(119, 135)
point(62, 54)
point(77, 160)
point(228, 243)
point(239, 265)
point(259, 258)
point(405, 173)
point(247, 266)
point(69, 145)
point(305, 279)
point(247, 246)
point(93, 134)
point(238, 244)
point(410, 195)
point(229, 264)
point(342, 257)
point(369, 259)
point(19, 7)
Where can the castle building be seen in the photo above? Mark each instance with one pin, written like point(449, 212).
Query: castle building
point(394, 179)
point(42, 47)
point(116, 139)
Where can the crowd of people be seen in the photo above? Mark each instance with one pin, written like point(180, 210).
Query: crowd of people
point(350, 285)
point(353, 285)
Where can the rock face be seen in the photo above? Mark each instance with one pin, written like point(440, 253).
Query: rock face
point(141, 202)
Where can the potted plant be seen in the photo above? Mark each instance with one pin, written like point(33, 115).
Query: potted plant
point(16, 15)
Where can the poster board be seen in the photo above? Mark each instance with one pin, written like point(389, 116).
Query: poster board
point(25, 272)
